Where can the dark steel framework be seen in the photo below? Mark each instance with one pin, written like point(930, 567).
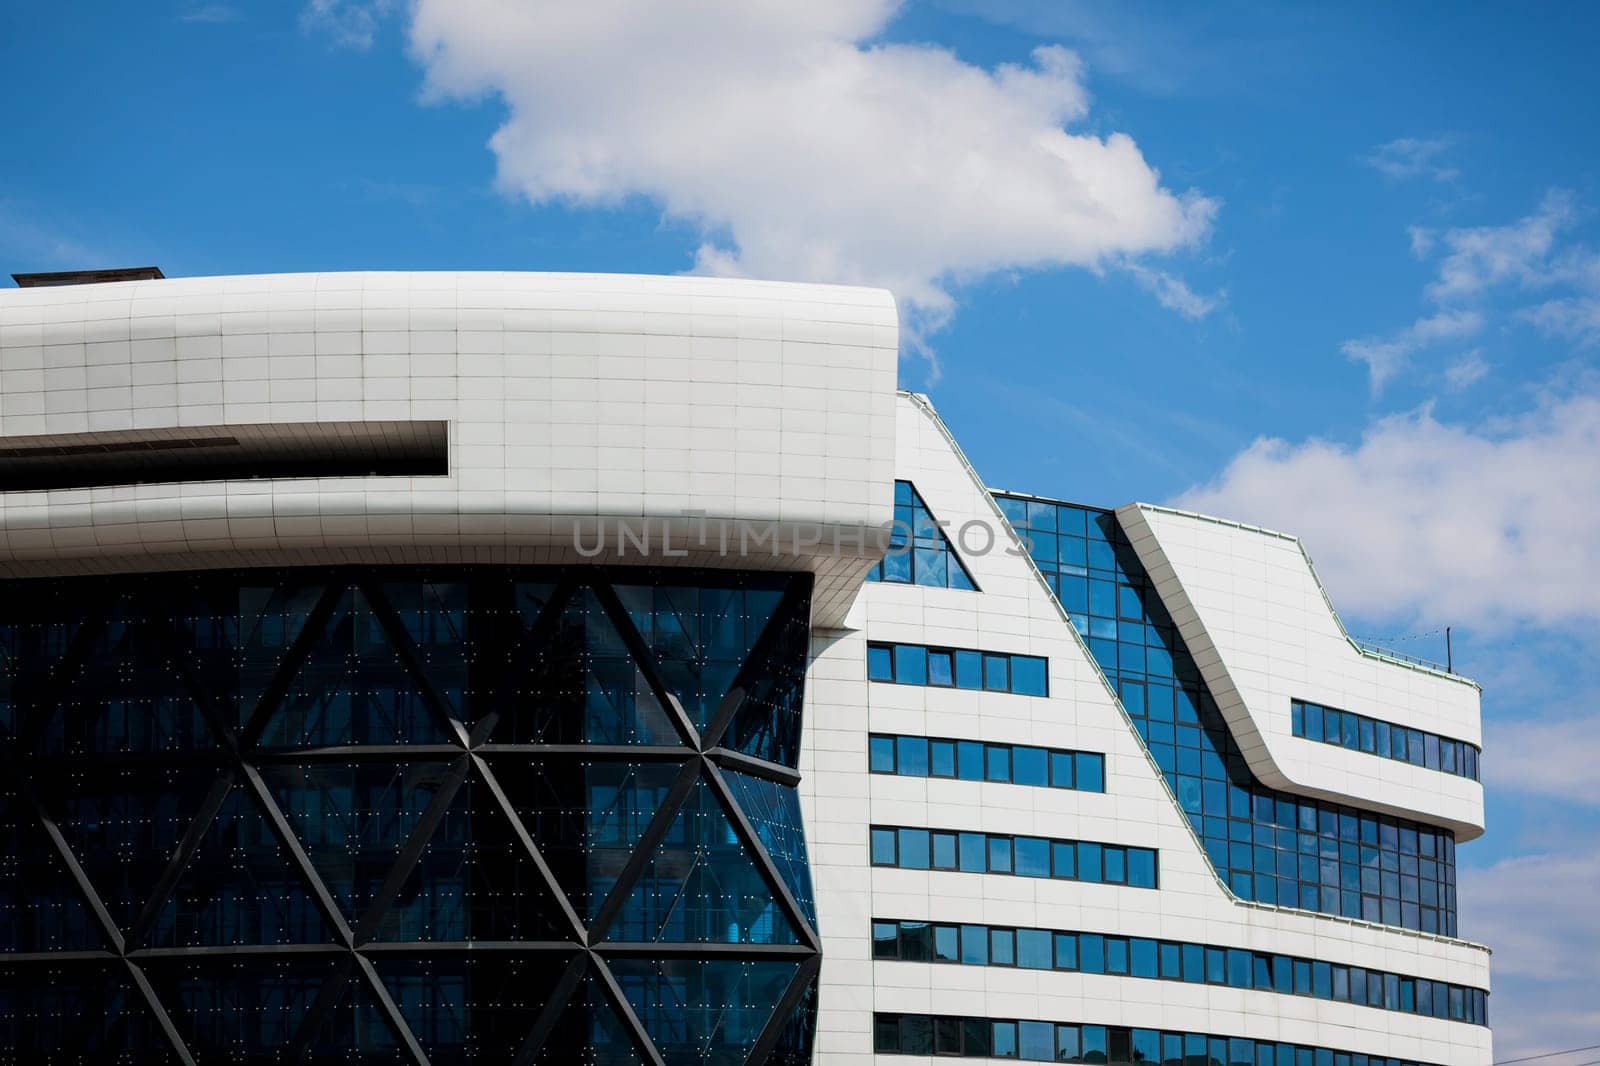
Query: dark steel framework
point(464, 691)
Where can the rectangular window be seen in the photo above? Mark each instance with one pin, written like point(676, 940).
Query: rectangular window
point(941, 669)
point(880, 755)
point(880, 662)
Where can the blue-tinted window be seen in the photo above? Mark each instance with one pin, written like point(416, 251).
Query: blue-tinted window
point(917, 664)
point(1110, 600)
point(919, 552)
point(1022, 856)
point(1375, 737)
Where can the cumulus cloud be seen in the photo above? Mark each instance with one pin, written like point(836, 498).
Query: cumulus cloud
point(1387, 356)
point(1412, 157)
point(1450, 523)
point(803, 150)
point(1550, 757)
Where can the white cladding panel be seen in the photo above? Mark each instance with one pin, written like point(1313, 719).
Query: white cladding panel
point(570, 398)
point(1253, 613)
point(1014, 612)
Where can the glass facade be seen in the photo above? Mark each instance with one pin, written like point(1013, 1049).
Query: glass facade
point(1168, 960)
point(445, 815)
point(1266, 845)
point(1377, 737)
point(1032, 1041)
point(919, 551)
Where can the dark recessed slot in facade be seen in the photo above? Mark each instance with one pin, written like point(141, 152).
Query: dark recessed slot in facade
point(87, 277)
point(224, 453)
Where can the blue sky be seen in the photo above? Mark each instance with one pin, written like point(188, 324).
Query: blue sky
point(1335, 270)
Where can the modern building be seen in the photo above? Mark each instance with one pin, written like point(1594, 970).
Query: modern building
point(589, 669)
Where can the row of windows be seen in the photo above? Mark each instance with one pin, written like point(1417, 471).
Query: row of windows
point(991, 671)
point(998, 853)
point(1045, 949)
point(986, 1038)
point(1360, 733)
point(1266, 845)
point(919, 552)
point(976, 760)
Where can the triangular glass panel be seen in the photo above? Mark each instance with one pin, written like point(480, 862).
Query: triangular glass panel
point(585, 817)
point(32, 642)
point(478, 1008)
point(240, 887)
point(582, 687)
point(83, 1012)
point(475, 881)
point(122, 824)
point(703, 1012)
point(699, 637)
point(239, 1010)
point(242, 642)
point(702, 885)
point(919, 552)
point(767, 722)
point(128, 695)
point(354, 688)
point(799, 1034)
point(773, 810)
point(41, 908)
point(353, 1029)
point(589, 1032)
point(435, 617)
point(353, 819)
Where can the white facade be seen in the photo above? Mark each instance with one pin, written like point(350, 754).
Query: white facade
point(575, 399)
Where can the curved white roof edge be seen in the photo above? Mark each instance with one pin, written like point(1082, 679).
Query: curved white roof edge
point(755, 416)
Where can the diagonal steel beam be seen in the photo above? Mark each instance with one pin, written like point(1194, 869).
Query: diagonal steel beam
point(531, 849)
point(571, 979)
point(181, 856)
point(411, 851)
point(365, 971)
point(769, 870)
point(644, 662)
point(410, 658)
point(795, 595)
point(787, 1004)
point(530, 642)
point(75, 871)
point(624, 1009)
point(644, 850)
point(328, 995)
point(293, 660)
point(775, 772)
point(331, 911)
point(163, 1019)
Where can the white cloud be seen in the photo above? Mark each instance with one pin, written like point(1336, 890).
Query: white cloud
point(801, 149)
point(1411, 157)
point(1538, 913)
point(1551, 757)
point(212, 14)
point(1480, 256)
point(1387, 356)
point(1449, 523)
point(1466, 371)
point(1174, 293)
point(350, 23)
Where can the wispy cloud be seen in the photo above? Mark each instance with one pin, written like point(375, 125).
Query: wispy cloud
point(1467, 371)
point(211, 14)
point(1412, 157)
point(1174, 293)
point(348, 23)
point(1387, 356)
point(1478, 257)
